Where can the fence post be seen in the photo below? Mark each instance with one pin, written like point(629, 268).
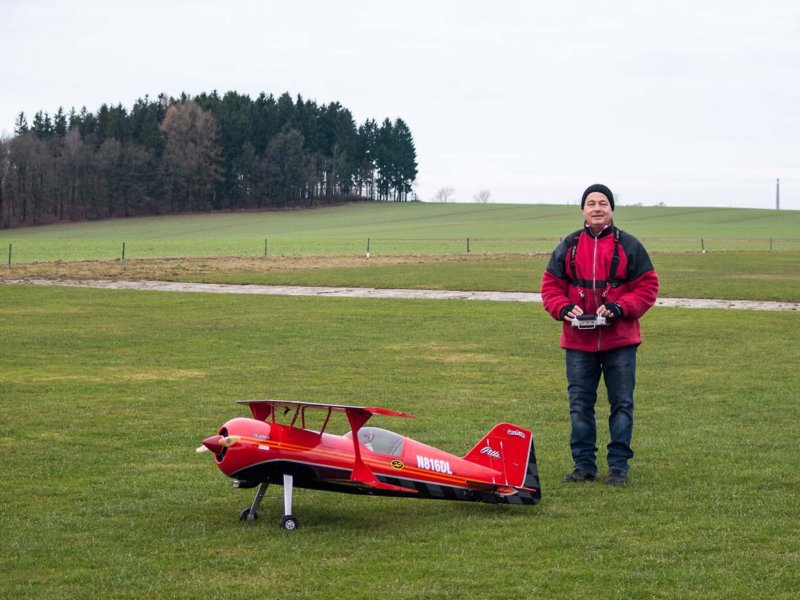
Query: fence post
point(265, 247)
point(123, 253)
point(368, 247)
point(702, 246)
point(770, 244)
point(9, 256)
point(467, 245)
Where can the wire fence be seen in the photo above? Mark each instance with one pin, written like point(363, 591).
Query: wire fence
point(29, 251)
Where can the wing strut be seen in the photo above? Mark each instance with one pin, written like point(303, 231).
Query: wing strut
point(361, 472)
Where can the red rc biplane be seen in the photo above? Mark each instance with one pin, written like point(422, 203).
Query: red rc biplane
point(501, 468)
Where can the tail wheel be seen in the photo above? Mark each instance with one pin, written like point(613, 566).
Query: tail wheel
point(247, 515)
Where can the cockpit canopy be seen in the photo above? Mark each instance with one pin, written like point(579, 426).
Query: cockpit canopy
point(380, 440)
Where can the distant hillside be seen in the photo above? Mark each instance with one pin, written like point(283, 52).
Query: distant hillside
point(397, 228)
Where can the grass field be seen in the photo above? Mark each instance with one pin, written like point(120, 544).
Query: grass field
point(105, 394)
point(396, 228)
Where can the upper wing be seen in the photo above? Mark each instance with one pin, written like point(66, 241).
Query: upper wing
point(262, 409)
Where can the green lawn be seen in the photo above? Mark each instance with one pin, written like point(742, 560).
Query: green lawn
point(396, 228)
point(105, 394)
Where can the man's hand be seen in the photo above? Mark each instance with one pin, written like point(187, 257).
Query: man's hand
point(610, 310)
point(570, 311)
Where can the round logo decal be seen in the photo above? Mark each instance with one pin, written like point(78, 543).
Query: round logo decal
point(397, 464)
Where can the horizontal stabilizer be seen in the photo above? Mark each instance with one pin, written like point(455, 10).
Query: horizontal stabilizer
point(482, 486)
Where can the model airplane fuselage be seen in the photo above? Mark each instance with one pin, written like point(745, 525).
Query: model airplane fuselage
point(257, 451)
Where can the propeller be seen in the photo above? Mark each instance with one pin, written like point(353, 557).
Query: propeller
point(216, 443)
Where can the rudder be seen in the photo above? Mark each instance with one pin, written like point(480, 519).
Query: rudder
point(509, 449)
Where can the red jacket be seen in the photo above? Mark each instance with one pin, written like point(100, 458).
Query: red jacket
point(634, 288)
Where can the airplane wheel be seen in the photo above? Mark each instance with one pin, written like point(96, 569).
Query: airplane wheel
point(245, 515)
point(289, 522)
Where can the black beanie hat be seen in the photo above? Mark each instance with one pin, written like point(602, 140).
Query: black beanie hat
point(598, 187)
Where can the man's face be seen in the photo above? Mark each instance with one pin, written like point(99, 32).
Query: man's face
point(597, 211)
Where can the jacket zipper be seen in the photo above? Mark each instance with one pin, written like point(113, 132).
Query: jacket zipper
point(594, 288)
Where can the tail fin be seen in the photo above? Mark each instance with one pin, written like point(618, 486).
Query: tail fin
point(509, 449)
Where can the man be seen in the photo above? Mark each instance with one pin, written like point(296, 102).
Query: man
point(603, 272)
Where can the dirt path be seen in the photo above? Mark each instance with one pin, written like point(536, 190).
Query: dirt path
point(352, 292)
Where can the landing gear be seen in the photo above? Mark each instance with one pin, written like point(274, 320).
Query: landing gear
point(289, 522)
point(251, 513)
point(246, 515)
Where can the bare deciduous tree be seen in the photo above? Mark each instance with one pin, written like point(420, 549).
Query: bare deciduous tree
point(444, 194)
point(483, 197)
point(191, 156)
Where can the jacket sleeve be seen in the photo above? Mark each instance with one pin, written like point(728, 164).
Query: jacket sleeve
point(555, 283)
point(642, 295)
point(642, 287)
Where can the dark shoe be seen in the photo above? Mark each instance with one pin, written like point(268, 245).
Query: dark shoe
point(579, 475)
point(616, 477)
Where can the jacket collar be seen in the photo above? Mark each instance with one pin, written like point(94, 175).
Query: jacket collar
point(607, 230)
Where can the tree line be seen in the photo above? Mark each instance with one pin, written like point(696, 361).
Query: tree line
point(201, 153)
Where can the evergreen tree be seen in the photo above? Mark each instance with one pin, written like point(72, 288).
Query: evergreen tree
point(60, 123)
point(384, 158)
point(405, 171)
point(286, 168)
point(112, 122)
point(42, 125)
point(88, 125)
point(21, 124)
point(144, 121)
point(233, 115)
point(265, 122)
point(285, 113)
point(74, 119)
point(367, 141)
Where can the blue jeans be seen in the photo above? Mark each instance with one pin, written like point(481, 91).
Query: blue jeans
point(618, 368)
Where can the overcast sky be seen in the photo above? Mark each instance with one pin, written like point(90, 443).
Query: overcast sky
point(685, 102)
